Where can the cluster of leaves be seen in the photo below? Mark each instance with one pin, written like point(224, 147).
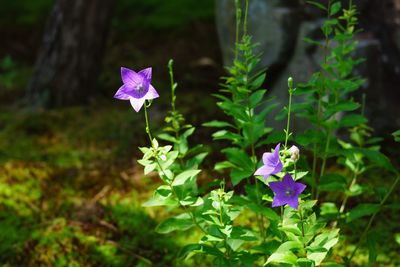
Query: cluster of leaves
point(241, 95)
point(297, 238)
point(339, 129)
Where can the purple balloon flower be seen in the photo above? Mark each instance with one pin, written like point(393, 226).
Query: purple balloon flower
point(136, 88)
point(286, 192)
point(272, 164)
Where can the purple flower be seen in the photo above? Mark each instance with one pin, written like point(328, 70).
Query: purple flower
point(272, 164)
point(136, 88)
point(286, 192)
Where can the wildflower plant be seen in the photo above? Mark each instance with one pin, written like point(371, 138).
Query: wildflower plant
point(267, 210)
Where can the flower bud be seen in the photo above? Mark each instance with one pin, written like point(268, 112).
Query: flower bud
point(163, 157)
point(290, 82)
point(294, 153)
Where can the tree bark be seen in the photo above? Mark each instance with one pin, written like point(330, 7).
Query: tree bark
point(69, 59)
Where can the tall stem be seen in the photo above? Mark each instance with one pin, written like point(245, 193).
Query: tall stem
point(147, 123)
point(321, 94)
point(238, 18)
point(148, 131)
point(173, 86)
point(290, 84)
point(245, 18)
point(324, 159)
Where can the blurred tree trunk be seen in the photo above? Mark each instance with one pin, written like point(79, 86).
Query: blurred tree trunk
point(69, 59)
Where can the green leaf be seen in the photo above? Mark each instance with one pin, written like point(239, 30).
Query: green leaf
point(243, 234)
point(282, 257)
point(234, 243)
point(333, 182)
point(239, 158)
point(372, 248)
point(159, 200)
point(188, 132)
point(181, 222)
point(318, 5)
point(290, 245)
point(267, 212)
point(396, 136)
point(308, 137)
point(319, 248)
point(192, 201)
point(227, 135)
point(181, 178)
point(237, 175)
point(335, 8)
point(329, 209)
point(397, 238)
point(167, 137)
point(149, 168)
point(377, 158)
point(342, 106)
point(196, 160)
point(361, 210)
point(303, 262)
point(189, 250)
point(306, 88)
point(256, 98)
point(258, 81)
point(352, 120)
point(223, 165)
point(217, 124)
point(164, 190)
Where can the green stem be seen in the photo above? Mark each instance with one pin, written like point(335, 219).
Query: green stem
point(302, 223)
point(288, 117)
point(163, 172)
point(319, 110)
point(346, 197)
point(238, 18)
point(373, 217)
point(173, 87)
point(245, 18)
point(147, 123)
point(314, 171)
point(227, 250)
point(324, 159)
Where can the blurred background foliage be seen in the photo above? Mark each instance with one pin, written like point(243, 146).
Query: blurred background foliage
point(70, 188)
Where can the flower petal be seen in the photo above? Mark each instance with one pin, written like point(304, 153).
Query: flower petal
point(152, 93)
point(264, 170)
point(288, 181)
point(130, 77)
point(293, 201)
point(268, 158)
point(278, 168)
point(277, 187)
point(277, 201)
point(146, 73)
point(136, 103)
point(122, 93)
point(276, 150)
point(299, 187)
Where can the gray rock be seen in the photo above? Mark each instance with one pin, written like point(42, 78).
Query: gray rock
point(280, 26)
point(272, 23)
